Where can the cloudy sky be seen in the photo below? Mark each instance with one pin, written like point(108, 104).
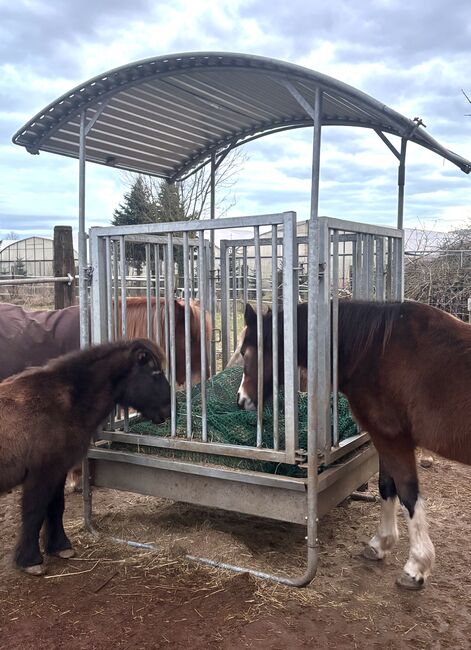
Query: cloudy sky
point(412, 56)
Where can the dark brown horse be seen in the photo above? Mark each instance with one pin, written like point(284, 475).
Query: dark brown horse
point(47, 418)
point(406, 371)
point(32, 338)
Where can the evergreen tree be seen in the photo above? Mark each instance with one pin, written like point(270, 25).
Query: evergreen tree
point(169, 203)
point(138, 207)
point(19, 268)
point(169, 206)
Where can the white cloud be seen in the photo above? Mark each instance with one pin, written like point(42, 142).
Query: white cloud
point(418, 69)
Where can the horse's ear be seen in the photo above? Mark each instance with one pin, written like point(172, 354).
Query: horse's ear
point(179, 310)
point(250, 316)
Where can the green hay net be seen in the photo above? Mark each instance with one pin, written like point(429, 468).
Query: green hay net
point(227, 423)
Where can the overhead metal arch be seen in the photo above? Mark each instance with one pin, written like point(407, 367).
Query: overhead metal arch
point(165, 116)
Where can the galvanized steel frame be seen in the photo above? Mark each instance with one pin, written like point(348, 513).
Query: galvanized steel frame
point(102, 290)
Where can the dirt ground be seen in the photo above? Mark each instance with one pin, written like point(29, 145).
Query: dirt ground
point(112, 596)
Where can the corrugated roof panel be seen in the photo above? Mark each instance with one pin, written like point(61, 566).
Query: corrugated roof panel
point(164, 115)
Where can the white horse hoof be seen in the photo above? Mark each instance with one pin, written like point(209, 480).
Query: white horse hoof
point(35, 570)
point(65, 554)
point(426, 461)
point(370, 553)
point(409, 582)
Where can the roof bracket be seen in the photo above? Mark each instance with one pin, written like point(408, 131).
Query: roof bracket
point(302, 101)
point(388, 143)
point(99, 111)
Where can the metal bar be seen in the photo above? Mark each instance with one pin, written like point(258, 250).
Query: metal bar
point(186, 285)
point(380, 269)
point(221, 449)
point(258, 289)
point(158, 309)
point(264, 240)
point(192, 271)
point(275, 362)
point(170, 299)
point(245, 273)
point(224, 304)
point(116, 332)
point(234, 299)
point(369, 266)
point(400, 247)
point(43, 280)
point(202, 295)
point(313, 341)
point(166, 309)
point(194, 225)
point(98, 288)
point(149, 293)
point(335, 338)
point(290, 334)
point(124, 323)
point(109, 290)
point(363, 228)
point(122, 261)
point(82, 240)
point(401, 181)
point(389, 269)
point(324, 428)
point(212, 266)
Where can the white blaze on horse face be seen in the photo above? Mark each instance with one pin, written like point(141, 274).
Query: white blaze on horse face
point(422, 553)
point(387, 533)
point(243, 399)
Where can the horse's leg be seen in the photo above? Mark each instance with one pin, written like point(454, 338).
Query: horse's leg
point(387, 534)
point(421, 552)
point(56, 541)
point(401, 465)
point(37, 493)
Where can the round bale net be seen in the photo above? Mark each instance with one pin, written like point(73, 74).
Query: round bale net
point(228, 424)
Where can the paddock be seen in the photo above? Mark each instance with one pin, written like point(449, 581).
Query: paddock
point(116, 596)
point(249, 97)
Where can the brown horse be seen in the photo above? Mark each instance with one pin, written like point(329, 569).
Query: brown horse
point(47, 418)
point(136, 309)
point(406, 371)
point(33, 338)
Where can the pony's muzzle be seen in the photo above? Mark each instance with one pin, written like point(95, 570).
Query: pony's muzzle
point(245, 402)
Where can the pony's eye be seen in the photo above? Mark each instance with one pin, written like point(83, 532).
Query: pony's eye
point(156, 373)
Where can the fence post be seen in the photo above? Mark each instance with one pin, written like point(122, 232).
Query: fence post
point(64, 263)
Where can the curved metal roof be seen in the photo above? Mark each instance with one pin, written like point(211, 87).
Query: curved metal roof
point(164, 116)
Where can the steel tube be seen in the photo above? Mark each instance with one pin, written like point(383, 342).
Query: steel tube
point(82, 239)
point(234, 299)
point(158, 327)
point(274, 306)
point(335, 329)
point(171, 328)
point(259, 302)
point(186, 287)
point(202, 295)
point(149, 312)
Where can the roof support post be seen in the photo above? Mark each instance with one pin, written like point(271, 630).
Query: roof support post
point(313, 338)
point(82, 239)
point(401, 181)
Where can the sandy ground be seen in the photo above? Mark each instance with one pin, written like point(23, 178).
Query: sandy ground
point(112, 596)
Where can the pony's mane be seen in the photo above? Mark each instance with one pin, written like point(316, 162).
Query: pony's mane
point(365, 327)
point(136, 309)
